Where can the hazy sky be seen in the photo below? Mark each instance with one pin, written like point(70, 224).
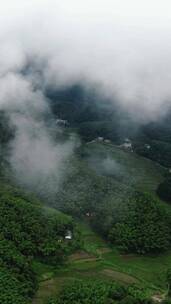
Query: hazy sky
point(122, 46)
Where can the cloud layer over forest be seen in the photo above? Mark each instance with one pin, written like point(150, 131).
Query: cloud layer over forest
point(121, 48)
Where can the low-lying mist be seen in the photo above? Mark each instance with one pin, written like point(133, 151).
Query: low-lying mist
point(108, 166)
point(39, 162)
point(38, 153)
point(121, 50)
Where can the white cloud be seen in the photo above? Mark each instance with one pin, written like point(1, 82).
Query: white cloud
point(124, 46)
point(121, 46)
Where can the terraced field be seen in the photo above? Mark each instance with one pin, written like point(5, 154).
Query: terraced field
point(100, 261)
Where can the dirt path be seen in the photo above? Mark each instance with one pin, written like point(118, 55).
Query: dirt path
point(119, 276)
point(46, 289)
point(103, 250)
point(82, 255)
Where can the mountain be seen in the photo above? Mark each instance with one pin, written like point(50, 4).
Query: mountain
point(110, 186)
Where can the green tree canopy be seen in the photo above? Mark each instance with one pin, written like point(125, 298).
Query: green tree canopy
point(164, 190)
point(145, 228)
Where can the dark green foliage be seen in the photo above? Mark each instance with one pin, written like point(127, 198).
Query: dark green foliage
point(117, 292)
point(11, 290)
point(168, 280)
point(6, 131)
point(93, 129)
point(98, 292)
point(83, 293)
point(157, 135)
point(159, 151)
point(159, 130)
point(29, 231)
point(32, 229)
point(129, 300)
point(164, 190)
point(145, 228)
point(84, 111)
point(13, 260)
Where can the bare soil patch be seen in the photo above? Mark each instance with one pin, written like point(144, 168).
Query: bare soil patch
point(119, 276)
point(81, 255)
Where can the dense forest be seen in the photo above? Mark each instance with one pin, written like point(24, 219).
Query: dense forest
point(100, 292)
point(29, 231)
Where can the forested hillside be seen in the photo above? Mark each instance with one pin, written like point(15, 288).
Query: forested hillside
point(118, 192)
point(29, 231)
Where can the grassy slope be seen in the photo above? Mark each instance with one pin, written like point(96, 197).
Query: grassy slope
point(138, 171)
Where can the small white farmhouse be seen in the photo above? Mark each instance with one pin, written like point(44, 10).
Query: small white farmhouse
point(127, 145)
point(61, 122)
point(100, 138)
point(68, 235)
point(107, 141)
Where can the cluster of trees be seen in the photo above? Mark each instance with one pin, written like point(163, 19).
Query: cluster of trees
point(98, 292)
point(159, 151)
point(159, 130)
point(157, 135)
point(28, 231)
point(145, 228)
point(164, 190)
point(12, 290)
